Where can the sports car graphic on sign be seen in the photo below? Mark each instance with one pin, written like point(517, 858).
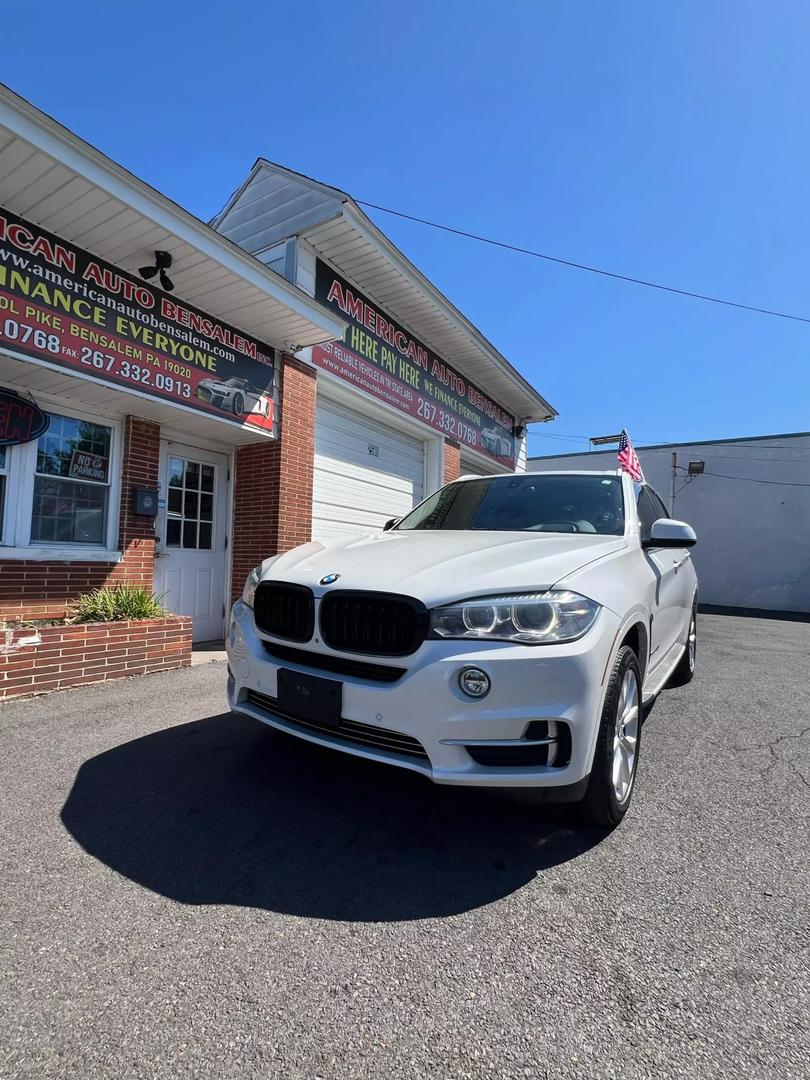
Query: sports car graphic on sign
point(496, 442)
point(237, 396)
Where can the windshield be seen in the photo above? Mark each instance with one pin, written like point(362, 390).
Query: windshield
point(534, 502)
point(234, 382)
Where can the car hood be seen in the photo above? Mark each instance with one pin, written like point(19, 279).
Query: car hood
point(441, 566)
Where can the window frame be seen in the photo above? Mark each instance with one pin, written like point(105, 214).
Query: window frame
point(15, 537)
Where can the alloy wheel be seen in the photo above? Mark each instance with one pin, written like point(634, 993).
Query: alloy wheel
point(692, 642)
point(625, 738)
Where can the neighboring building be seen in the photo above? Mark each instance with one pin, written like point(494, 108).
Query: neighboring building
point(414, 395)
point(750, 509)
point(184, 441)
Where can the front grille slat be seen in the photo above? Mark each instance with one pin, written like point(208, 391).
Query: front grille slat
point(348, 731)
point(378, 624)
point(284, 610)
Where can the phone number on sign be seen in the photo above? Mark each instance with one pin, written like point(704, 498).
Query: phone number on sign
point(140, 374)
point(446, 422)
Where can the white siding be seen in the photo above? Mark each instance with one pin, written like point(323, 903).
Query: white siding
point(273, 206)
point(365, 473)
point(749, 509)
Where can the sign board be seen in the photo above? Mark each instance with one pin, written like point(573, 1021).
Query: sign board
point(61, 306)
point(379, 356)
point(84, 466)
point(21, 421)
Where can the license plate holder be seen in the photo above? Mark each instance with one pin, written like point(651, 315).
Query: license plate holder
point(310, 698)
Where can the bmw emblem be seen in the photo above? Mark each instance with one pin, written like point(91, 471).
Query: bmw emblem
point(329, 579)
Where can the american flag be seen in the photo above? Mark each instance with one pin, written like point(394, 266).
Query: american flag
point(627, 458)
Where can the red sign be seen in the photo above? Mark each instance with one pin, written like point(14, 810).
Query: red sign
point(61, 306)
point(379, 356)
point(21, 421)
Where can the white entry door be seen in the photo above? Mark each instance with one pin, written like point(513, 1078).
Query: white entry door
point(190, 554)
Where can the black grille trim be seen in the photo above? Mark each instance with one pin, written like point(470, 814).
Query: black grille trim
point(377, 624)
point(284, 610)
point(348, 731)
point(338, 665)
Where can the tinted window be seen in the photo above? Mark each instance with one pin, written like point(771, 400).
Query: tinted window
point(658, 503)
point(534, 502)
point(648, 512)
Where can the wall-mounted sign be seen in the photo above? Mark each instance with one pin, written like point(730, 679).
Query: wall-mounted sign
point(84, 466)
point(21, 421)
point(381, 357)
point(61, 306)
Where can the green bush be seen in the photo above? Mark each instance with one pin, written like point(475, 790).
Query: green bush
point(117, 604)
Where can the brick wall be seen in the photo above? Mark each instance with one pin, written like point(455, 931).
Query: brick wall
point(57, 657)
point(452, 461)
point(273, 482)
point(31, 589)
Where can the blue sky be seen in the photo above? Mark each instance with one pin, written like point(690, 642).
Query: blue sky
point(665, 141)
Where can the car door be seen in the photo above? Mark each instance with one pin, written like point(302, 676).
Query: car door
point(664, 585)
point(684, 573)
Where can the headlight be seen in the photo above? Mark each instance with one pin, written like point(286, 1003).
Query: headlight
point(249, 590)
point(533, 619)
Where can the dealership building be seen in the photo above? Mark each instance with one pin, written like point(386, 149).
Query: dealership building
point(180, 400)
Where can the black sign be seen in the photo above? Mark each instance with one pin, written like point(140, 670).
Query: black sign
point(59, 305)
point(381, 357)
point(21, 421)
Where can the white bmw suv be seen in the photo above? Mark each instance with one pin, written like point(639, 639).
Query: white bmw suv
point(505, 633)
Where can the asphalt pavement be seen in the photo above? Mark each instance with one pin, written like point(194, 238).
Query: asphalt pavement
point(189, 894)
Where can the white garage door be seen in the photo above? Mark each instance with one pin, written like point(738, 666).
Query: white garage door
point(365, 473)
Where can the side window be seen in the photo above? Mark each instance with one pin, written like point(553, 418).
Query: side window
point(647, 512)
point(658, 503)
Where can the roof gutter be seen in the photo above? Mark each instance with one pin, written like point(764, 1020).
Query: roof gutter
point(55, 140)
point(366, 227)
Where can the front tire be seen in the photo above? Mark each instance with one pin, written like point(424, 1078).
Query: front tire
point(238, 405)
point(615, 760)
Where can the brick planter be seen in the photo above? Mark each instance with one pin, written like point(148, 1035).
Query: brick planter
point(56, 657)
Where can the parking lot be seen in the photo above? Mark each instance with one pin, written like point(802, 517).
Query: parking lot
point(190, 894)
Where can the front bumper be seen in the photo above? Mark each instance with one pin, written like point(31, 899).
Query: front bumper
point(562, 684)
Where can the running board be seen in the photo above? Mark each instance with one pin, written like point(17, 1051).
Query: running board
point(657, 679)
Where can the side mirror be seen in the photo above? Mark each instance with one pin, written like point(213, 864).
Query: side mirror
point(666, 532)
point(390, 524)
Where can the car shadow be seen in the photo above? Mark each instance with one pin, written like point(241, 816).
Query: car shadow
point(225, 810)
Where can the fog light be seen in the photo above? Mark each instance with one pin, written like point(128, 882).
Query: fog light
point(474, 682)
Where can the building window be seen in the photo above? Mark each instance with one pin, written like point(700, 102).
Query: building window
point(3, 471)
point(59, 494)
point(71, 483)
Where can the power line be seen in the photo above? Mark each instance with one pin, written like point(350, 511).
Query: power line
point(584, 266)
point(754, 480)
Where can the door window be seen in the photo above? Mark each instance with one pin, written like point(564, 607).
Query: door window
point(190, 504)
point(658, 503)
point(647, 512)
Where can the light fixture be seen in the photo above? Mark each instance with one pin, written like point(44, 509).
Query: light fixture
point(696, 468)
point(474, 682)
point(163, 260)
point(520, 431)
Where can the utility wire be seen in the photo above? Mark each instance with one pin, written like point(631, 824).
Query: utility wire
point(755, 480)
point(585, 266)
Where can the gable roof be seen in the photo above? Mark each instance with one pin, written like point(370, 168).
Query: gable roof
point(275, 202)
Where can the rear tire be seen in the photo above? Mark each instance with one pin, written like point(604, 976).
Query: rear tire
point(685, 671)
point(615, 760)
